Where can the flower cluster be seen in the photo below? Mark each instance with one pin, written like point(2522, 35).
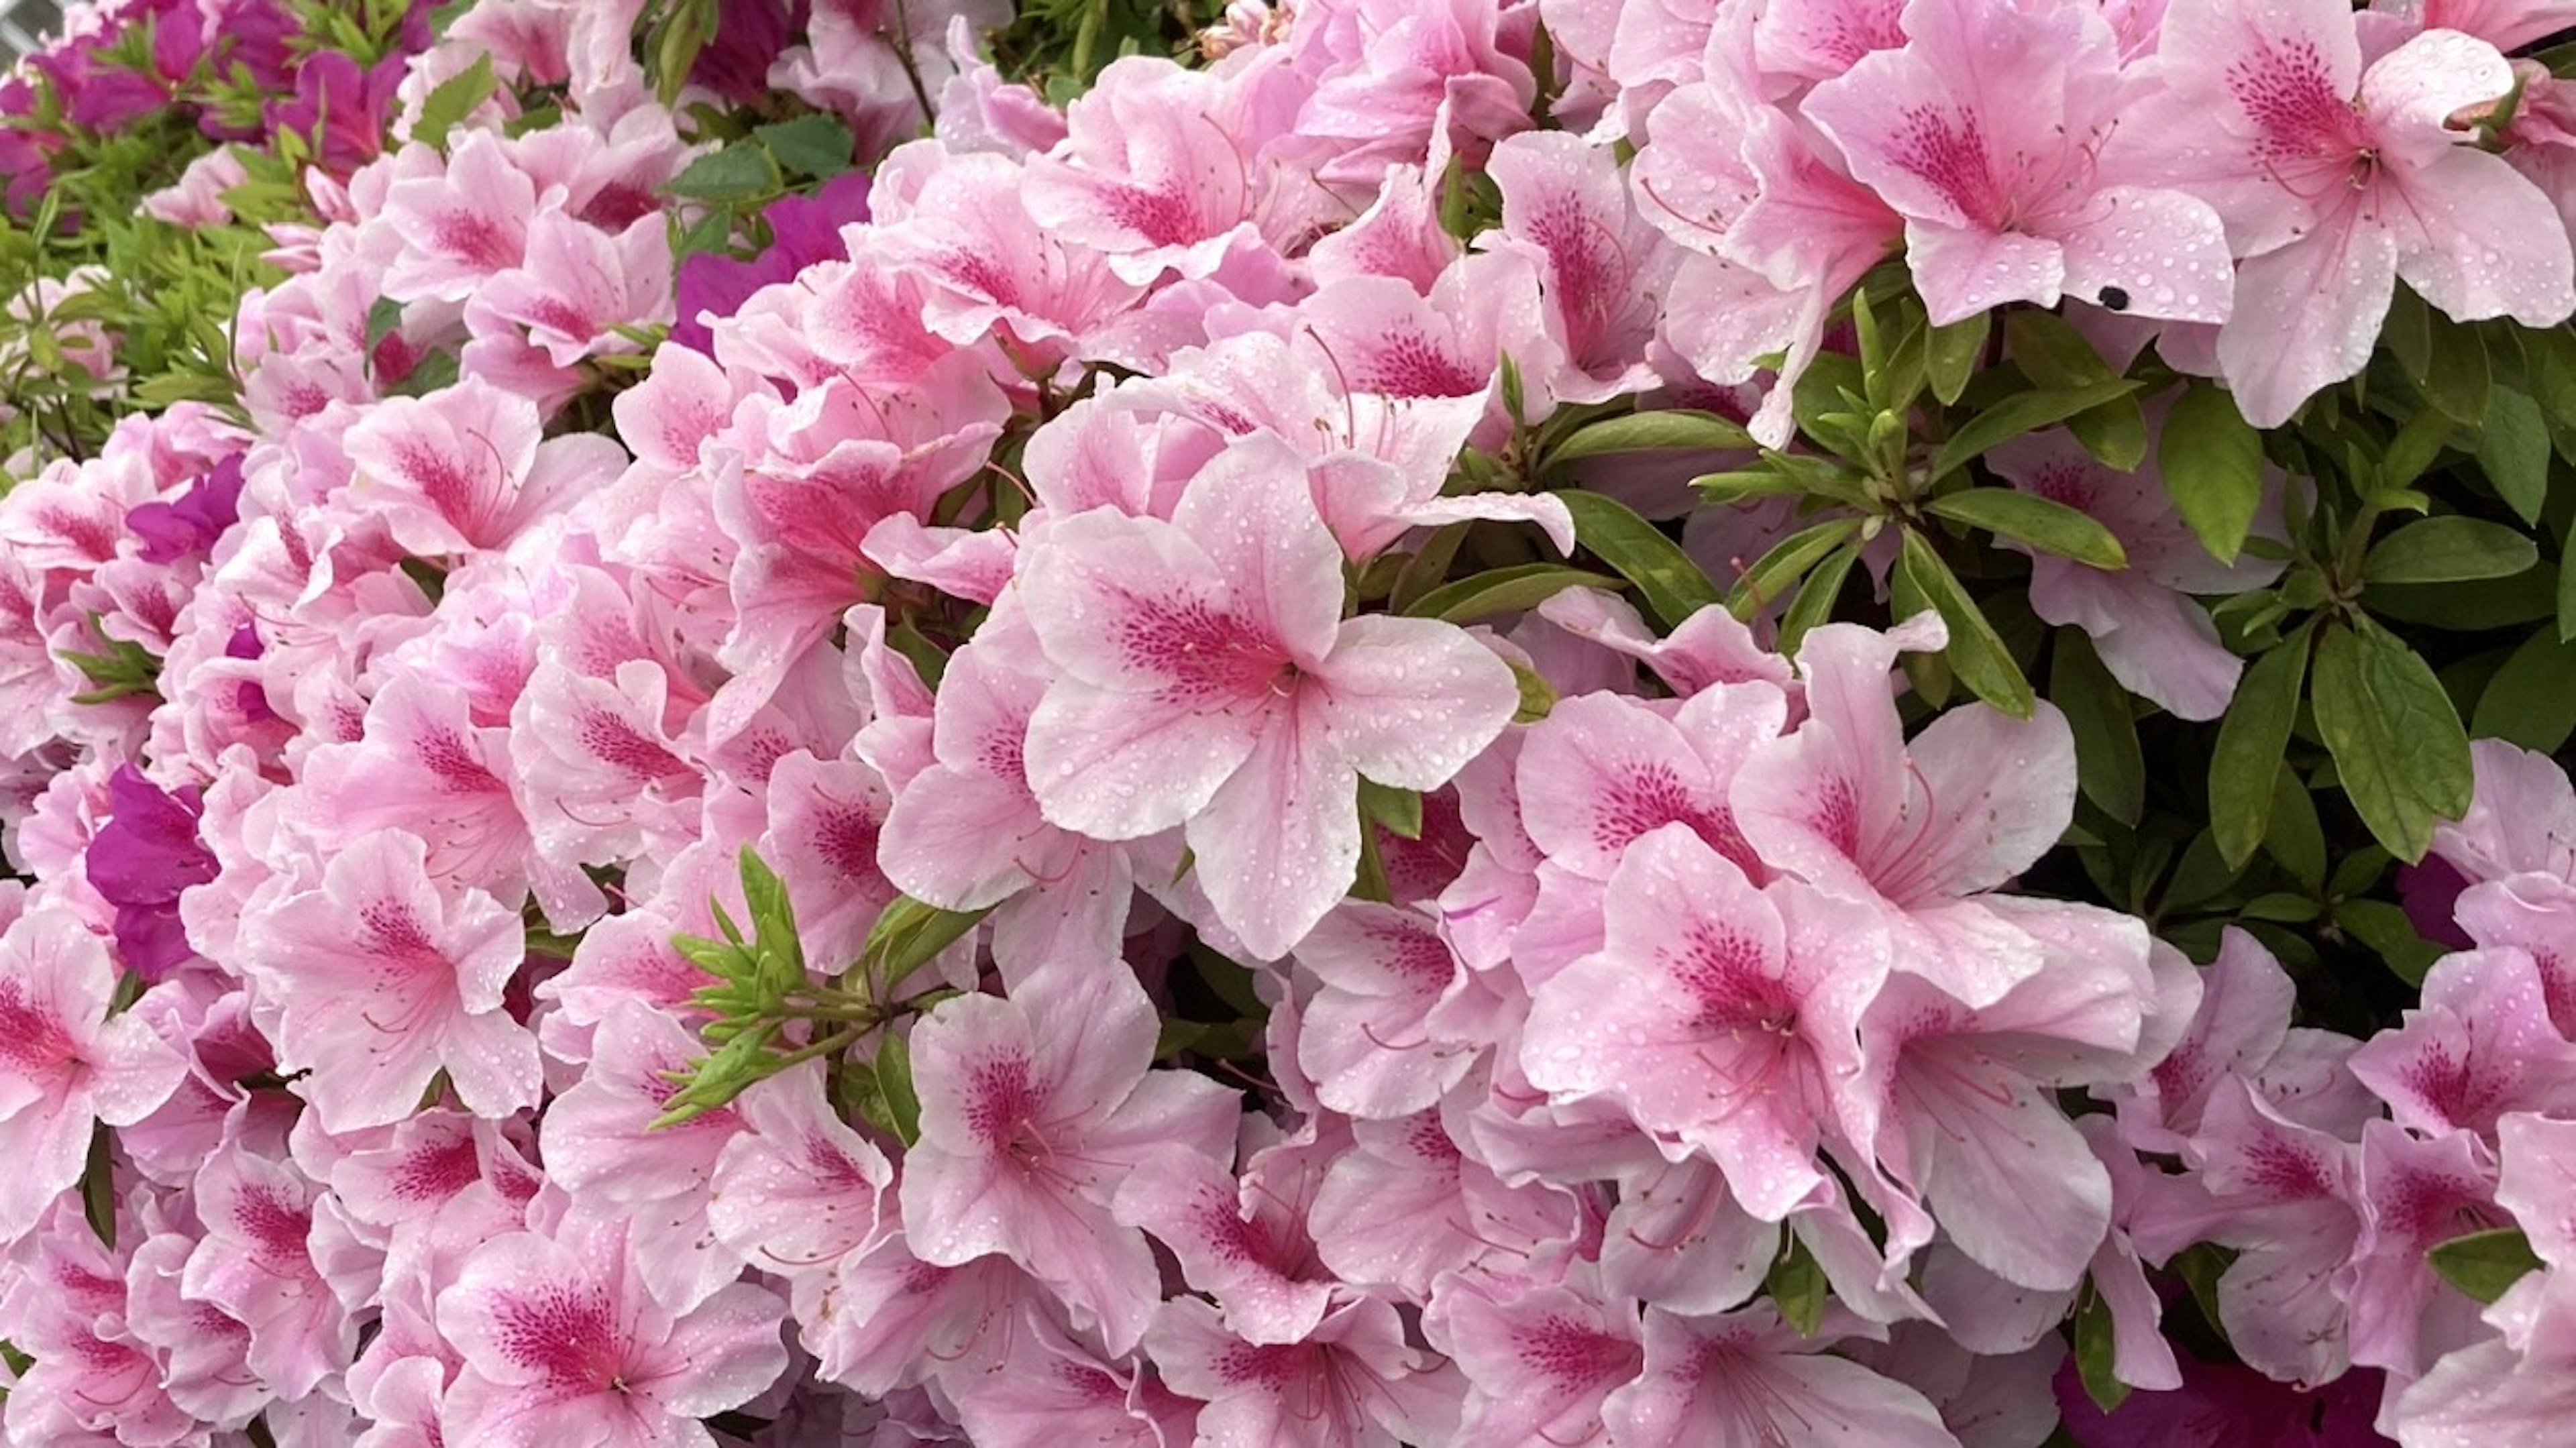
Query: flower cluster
point(929, 768)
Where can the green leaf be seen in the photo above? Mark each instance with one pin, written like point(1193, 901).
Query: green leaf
point(2397, 743)
point(1954, 353)
point(739, 172)
point(1499, 591)
point(817, 145)
point(1397, 811)
point(1677, 430)
point(1775, 573)
point(2567, 587)
point(452, 100)
point(2513, 451)
point(2020, 413)
point(2095, 1354)
point(2296, 838)
point(2484, 1264)
point(382, 318)
point(1672, 586)
point(1798, 1288)
point(2050, 352)
point(98, 1186)
point(2449, 549)
point(2531, 700)
point(1817, 595)
point(2251, 741)
point(907, 933)
point(2108, 765)
point(1537, 696)
point(2212, 460)
point(2043, 523)
point(2457, 376)
point(2415, 448)
point(433, 373)
point(2384, 927)
point(894, 1083)
point(1975, 655)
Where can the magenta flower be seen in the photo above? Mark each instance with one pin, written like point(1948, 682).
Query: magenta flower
point(140, 861)
point(65, 1063)
point(1207, 680)
point(563, 1345)
point(1025, 1131)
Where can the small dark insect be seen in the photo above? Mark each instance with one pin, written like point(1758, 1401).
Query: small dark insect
point(2115, 299)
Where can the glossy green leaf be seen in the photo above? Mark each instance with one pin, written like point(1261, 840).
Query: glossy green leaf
point(1398, 811)
point(2109, 766)
point(893, 1071)
point(2384, 927)
point(1499, 591)
point(1975, 655)
point(907, 933)
point(1798, 1288)
point(452, 100)
point(2043, 523)
point(1675, 430)
point(1776, 573)
point(2513, 451)
point(739, 172)
point(2024, 412)
point(2449, 549)
point(2397, 743)
point(1816, 596)
point(2484, 1264)
point(2531, 700)
point(817, 145)
point(2458, 378)
point(2251, 741)
point(1672, 586)
point(2295, 838)
point(2212, 462)
point(2096, 1354)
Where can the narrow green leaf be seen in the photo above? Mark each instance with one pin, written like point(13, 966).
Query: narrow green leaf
point(907, 933)
point(1672, 586)
point(1398, 811)
point(2050, 352)
point(2212, 460)
point(98, 1186)
point(2251, 741)
point(1817, 595)
point(2449, 549)
point(2415, 448)
point(2513, 451)
point(2096, 1354)
point(1759, 482)
point(894, 1083)
point(2484, 1264)
point(2296, 838)
point(1499, 591)
point(1675, 430)
point(2109, 767)
point(2397, 743)
point(817, 145)
point(1775, 573)
point(1537, 697)
point(452, 100)
point(2567, 587)
point(1975, 655)
point(2021, 413)
point(2532, 698)
point(1955, 351)
point(1798, 1288)
point(2043, 523)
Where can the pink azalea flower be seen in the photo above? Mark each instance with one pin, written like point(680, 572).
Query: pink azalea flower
point(1406, 1203)
point(1051, 1389)
point(2335, 180)
point(1244, 1242)
point(65, 1063)
point(466, 468)
point(1747, 1380)
point(1540, 1357)
point(2518, 1387)
point(562, 1344)
point(1985, 131)
point(2416, 1193)
point(1208, 681)
point(1714, 1012)
point(799, 1190)
point(1930, 826)
point(1372, 1039)
point(2479, 1046)
point(1151, 171)
point(1604, 268)
point(1023, 1134)
point(1353, 1383)
point(2152, 637)
point(576, 283)
point(257, 1261)
point(459, 229)
point(384, 980)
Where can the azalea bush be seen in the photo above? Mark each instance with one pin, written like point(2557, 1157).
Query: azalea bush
point(1779, 722)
